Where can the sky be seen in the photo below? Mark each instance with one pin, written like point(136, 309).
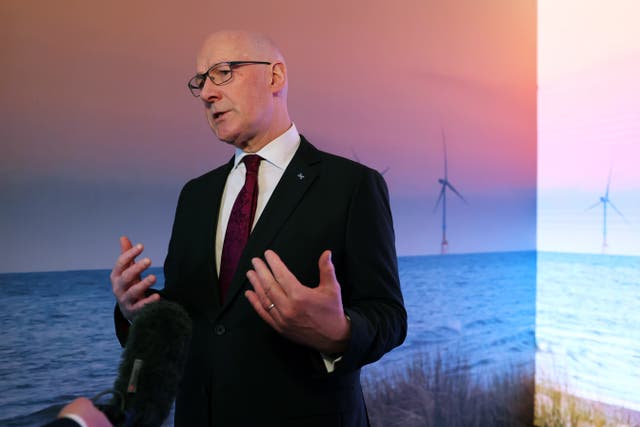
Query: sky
point(99, 132)
point(588, 125)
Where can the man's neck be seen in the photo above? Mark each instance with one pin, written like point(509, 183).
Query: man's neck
point(256, 144)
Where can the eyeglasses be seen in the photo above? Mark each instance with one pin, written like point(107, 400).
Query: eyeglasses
point(219, 74)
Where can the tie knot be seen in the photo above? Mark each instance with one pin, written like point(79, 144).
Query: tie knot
point(252, 162)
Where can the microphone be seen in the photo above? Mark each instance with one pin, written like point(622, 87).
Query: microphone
point(151, 366)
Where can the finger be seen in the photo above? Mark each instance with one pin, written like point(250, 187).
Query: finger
point(144, 301)
point(136, 292)
point(129, 277)
point(125, 244)
point(270, 286)
point(281, 273)
point(268, 304)
point(264, 314)
point(141, 287)
point(327, 270)
point(126, 258)
point(132, 273)
point(258, 288)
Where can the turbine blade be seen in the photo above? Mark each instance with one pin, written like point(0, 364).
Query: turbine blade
point(444, 147)
point(593, 206)
point(619, 213)
point(456, 192)
point(606, 195)
point(439, 198)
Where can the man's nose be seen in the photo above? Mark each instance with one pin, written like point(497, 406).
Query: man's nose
point(210, 92)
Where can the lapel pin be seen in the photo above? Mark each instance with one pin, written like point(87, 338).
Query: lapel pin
point(300, 176)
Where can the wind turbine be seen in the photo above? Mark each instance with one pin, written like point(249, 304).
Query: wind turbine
point(444, 245)
point(604, 200)
point(355, 156)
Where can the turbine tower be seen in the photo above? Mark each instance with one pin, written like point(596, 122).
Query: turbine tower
point(444, 182)
point(604, 200)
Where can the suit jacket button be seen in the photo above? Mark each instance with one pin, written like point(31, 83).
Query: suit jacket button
point(220, 330)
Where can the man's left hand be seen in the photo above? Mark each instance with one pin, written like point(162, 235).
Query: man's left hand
point(308, 316)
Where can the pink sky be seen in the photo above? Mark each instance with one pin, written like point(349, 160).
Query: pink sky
point(588, 124)
point(96, 94)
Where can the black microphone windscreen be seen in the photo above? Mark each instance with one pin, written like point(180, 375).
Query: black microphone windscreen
point(159, 337)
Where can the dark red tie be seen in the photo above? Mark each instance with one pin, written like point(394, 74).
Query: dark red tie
point(239, 226)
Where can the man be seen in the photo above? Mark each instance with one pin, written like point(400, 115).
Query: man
point(283, 324)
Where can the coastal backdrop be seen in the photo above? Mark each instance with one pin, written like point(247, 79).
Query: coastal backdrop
point(477, 309)
point(537, 102)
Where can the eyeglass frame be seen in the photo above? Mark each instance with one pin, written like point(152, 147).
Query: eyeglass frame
point(230, 64)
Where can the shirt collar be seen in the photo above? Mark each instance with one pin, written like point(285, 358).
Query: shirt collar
point(278, 152)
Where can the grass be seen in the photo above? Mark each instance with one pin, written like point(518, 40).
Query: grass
point(434, 392)
point(558, 408)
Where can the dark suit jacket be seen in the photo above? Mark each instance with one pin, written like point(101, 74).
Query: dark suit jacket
point(241, 372)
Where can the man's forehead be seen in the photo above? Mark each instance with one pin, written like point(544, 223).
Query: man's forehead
point(222, 48)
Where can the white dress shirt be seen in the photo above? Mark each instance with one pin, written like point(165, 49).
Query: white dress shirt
point(276, 157)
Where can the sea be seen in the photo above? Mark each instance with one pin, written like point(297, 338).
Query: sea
point(58, 341)
point(588, 326)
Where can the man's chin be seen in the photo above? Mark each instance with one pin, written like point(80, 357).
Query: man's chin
point(229, 140)
point(236, 139)
point(222, 136)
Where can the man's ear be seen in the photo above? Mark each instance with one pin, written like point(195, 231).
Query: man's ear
point(278, 77)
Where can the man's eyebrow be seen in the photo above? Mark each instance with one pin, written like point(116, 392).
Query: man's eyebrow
point(206, 70)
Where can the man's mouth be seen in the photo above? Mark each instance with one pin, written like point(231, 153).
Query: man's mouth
point(218, 114)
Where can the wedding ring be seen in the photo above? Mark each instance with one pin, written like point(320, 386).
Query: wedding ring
point(271, 306)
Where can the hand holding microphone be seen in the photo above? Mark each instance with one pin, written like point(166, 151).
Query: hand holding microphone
point(81, 410)
point(151, 366)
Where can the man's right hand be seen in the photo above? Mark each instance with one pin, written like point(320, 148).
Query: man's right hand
point(127, 285)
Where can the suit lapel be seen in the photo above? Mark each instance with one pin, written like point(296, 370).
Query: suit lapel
point(295, 182)
point(213, 201)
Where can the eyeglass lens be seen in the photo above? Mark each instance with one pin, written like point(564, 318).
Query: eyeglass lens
point(218, 75)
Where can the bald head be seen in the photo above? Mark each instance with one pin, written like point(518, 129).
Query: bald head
point(240, 45)
point(250, 109)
